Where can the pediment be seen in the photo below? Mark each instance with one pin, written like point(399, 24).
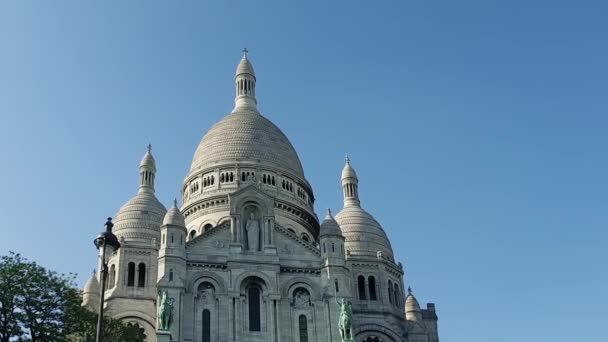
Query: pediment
point(290, 246)
point(216, 238)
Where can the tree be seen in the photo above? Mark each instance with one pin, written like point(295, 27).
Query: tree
point(39, 305)
point(12, 275)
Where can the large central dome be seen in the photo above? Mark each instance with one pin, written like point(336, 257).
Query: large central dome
point(246, 136)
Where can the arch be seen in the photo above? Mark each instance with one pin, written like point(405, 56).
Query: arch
point(305, 237)
point(131, 274)
point(303, 328)
point(384, 333)
point(141, 275)
point(207, 227)
point(145, 321)
point(390, 292)
point(222, 220)
point(371, 281)
point(201, 277)
point(192, 234)
point(290, 286)
point(361, 287)
point(206, 223)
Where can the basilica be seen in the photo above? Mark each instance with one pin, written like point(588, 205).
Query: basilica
point(246, 258)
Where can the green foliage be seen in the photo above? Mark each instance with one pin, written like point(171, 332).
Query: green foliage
point(38, 305)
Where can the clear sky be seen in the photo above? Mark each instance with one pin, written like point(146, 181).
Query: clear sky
point(477, 128)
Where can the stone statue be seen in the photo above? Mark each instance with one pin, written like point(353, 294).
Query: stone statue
point(253, 233)
point(165, 311)
point(345, 324)
point(302, 299)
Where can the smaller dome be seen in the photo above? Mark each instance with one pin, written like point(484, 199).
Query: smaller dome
point(140, 217)
point(329, 226)
point(174, 216)
point(364, 235)
point(245, 67)
point(148, 160)
point(348, 171)
point(92, 286)
point(412, 308)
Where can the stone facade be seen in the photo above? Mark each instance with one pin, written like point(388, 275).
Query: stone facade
point(245, 258)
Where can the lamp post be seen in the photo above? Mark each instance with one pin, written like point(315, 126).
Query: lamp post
point(102, 242)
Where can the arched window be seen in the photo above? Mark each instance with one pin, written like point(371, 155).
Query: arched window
point(131, 274)
point(253, 294)
point(333, 247)
point(206, 326)
point(390, 292)
point(324, 250)
point(112, 277)
point(303, 328)
point(171, 275)
point(207, 227)
point(141, 275)
point(336, 284)
point(361, 286)
point(192, 234)
point(305, 237)
point(372, 288)
point(397, 297)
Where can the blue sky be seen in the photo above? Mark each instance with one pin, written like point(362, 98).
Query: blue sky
point(477, 128)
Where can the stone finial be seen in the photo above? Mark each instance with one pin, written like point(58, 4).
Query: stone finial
point(329, 212)
point(409, 290)
point(347, 159)
point(149, 148)
point(175, 202)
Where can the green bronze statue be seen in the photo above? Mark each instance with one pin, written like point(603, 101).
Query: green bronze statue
point(345, 324)
point(165, 311)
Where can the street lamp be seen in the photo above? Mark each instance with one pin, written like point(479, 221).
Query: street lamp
point(102, 242)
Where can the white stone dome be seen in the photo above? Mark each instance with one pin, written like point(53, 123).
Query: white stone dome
point(245, 67)
point(92, 286)
point(140, 218)
point(329, 226)
point(364, 235)
point(412, 307)
point(246, 136)
point(174, 217)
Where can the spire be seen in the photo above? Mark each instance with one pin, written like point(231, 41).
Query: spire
point(245, 84)
point(174, 216)
point(350, 184)
point(412, 308)
point(147, 171)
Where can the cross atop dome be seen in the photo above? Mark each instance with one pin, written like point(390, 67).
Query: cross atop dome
point(245, 52)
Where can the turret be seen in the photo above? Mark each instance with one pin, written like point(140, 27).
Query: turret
point(412, 308)
point(172, 252)
point(172, 260)
point(331, 241)
point(147, 172)
point(350, 185)
point(90, 294)
point(245, 84)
